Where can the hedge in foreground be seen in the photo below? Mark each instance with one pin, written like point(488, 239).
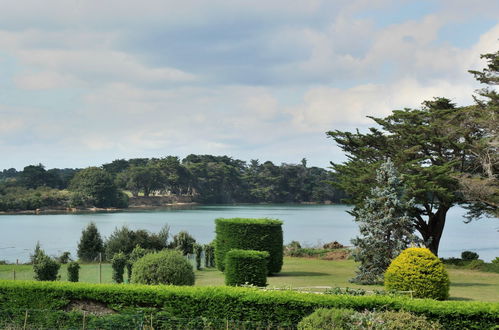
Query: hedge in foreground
point(246, 267)
point(203, 304)
point(249, 234)
point(420, 271)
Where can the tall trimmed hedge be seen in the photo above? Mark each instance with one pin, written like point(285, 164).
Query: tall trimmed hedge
point(246, 267)
point(249, 234)
point(273, 309)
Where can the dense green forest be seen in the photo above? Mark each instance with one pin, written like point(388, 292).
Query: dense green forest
point(206, 178)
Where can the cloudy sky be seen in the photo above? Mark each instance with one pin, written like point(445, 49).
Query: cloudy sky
point(86, 82)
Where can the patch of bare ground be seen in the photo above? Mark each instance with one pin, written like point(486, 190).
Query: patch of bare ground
point(89, 306)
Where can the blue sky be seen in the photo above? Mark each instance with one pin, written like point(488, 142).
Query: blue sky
point(86, 82)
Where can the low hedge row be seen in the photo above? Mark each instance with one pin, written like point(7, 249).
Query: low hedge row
point(246, 267)
point(277, 308)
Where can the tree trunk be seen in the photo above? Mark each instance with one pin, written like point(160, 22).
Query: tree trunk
point(433, 229)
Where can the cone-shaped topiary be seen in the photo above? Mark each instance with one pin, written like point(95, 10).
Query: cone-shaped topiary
point(420, 271)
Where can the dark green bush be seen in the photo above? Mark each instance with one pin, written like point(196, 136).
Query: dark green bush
point(45, 268)
point(246, 267)
point(135, 255)
point(118, 263)
point(165, 267)
point(125, 240)
point(469, 255)
point(183, 242)
point(420, 271)
point(90, 244)
point(249, 234)
point(198, 251)
point(272, 309)
point(73, 271)
point(64, 258)
point(209, 255)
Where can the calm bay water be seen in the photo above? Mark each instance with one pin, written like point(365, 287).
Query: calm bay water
point(308, 224)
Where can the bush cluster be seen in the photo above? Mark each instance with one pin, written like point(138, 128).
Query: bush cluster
point(420, 271)
point(249, 234)
point(283, 309)
point(337, 318)
point(73, 271)
point(164, 267)
point(246, 267)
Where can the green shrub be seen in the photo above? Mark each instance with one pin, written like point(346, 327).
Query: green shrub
point(64, 258)
point(246, 267)
point(495, 261)
point(118, 263)
point(183, 242)
point(135, 255)
point(349, 319)
point(165, 267)
point(209, 255)
point(73, 271)
point(188, 305)
point(249, 234)
point(420, 271)
point(323, 318)
point(476, 264)
point(198, 251)
point(90, 244)
point(469, 255)
point(46, 268)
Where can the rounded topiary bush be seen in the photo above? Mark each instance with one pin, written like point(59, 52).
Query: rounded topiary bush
point(164, 267)
point(249, 234)
point(246, 267)
point(420, 271)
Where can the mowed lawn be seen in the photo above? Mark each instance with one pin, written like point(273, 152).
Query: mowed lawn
point(298, 273)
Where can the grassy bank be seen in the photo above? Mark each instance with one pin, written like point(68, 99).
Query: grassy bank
point(299, 272)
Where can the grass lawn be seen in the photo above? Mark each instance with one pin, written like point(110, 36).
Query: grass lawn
point(300, 272)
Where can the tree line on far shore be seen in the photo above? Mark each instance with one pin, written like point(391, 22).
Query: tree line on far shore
point(205, 178)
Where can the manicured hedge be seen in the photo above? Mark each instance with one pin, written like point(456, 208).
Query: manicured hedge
point(249, 234)
point(420, 271)
point(163, 304)
point(246, 267)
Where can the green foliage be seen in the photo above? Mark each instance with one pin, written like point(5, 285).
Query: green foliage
point(246, 267)
point(249, 234)
point(198, 251)
point(323, 318)
point(349, 319)
point(469, 255)
point(118, 262)
point(495, 261)
point(90, 244)
point(137, 253)
point(15, 198)
point(44, 267)
point(165, 267)
point(73, 271)
point(384, 226)
point(145, 179)
point(209, 255)
point(274, 308)
point(476, 264)
point(64, 258)
point(97, 184)
point(125, 240)
point(420, 271)
point(183, 242)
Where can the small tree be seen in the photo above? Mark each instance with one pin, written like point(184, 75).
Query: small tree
point(118, 262)
point(137, 253)
point(198, 250)
point(73, 271)
point(183, 242)
point(38, 253)
point(384, 226)
point(90, 244)
point(44, 267)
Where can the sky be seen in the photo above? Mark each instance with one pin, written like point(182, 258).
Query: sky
point(85, 82)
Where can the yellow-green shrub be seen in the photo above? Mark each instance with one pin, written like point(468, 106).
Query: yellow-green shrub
point(420, 271)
